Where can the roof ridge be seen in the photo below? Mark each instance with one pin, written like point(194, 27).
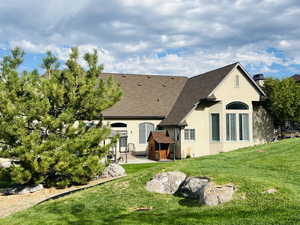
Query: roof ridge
point(152, 75)
point(195, 88)
point(229, 65)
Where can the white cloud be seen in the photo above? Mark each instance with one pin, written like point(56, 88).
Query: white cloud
point(195, 35)
point(188, 64)
point(196, 62)
point(61, 52)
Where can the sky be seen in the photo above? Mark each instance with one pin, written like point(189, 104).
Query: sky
point(170, 37)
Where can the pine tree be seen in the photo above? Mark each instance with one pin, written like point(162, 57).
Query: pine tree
point(53, 123)
point(50, 63)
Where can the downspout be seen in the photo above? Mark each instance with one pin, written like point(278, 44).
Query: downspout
point(176, 137)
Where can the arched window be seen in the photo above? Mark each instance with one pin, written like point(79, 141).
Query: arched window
point(237, 105)
point(144, 131)
point(118, 125)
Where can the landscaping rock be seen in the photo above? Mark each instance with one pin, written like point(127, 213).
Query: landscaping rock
point(166, 182)
point(192, 186)
point(21, 190)
point(270, 191)
point(113, 170)
point(5, 163)
point(214, 195)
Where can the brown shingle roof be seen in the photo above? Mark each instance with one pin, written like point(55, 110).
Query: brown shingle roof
point(161, 137)
point(166, 97)
point(145, 95)
point(296, 77)
point(196, 88)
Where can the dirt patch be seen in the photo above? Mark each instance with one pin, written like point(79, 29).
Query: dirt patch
point(10, 204)
point(261, 151)
point(140, 209)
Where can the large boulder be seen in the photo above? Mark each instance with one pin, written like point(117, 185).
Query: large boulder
point(5, 163)
point(166, 182)
point(192, 187)
point(113, 170)
point(21, 190)
point(214, 195)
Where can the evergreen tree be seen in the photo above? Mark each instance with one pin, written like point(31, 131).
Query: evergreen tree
point(283, 99)
point(53, 124)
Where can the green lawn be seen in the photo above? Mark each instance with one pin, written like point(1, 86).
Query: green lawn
point(253, 170)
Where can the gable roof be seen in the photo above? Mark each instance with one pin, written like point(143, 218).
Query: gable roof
point(160, 137)
point(144, 96)
point(199, 88)
point(296, 77)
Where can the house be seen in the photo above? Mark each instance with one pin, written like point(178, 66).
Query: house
point(214, 112)
point(296, 77)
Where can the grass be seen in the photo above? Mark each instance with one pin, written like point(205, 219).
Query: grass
point(132, 168)
point(253, 170)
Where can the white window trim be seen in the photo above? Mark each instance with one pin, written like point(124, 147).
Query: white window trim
point(236, 128)
point(189, 134)
point(239, 134)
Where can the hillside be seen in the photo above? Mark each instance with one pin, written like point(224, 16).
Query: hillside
point(253, 170)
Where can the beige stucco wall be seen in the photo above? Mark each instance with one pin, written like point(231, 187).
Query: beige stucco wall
point(133, 132)
point(199, 118)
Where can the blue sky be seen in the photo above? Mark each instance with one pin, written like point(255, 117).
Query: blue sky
point(180, 37)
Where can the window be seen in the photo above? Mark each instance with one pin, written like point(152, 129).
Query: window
point(244, 126)
point(237, 105)
point(189, 134)
point(215, 127)
point(230, 127)
point(144, 131)
point(237, 81)
point(118, 125)
point(123, 141)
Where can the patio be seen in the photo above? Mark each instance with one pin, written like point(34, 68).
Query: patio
point(132, 159)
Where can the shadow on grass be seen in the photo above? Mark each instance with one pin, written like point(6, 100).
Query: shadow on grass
point(189, 202)
point(82, 214)
point(76, 190)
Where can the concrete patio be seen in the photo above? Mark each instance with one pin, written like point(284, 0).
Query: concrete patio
point(132, 159)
